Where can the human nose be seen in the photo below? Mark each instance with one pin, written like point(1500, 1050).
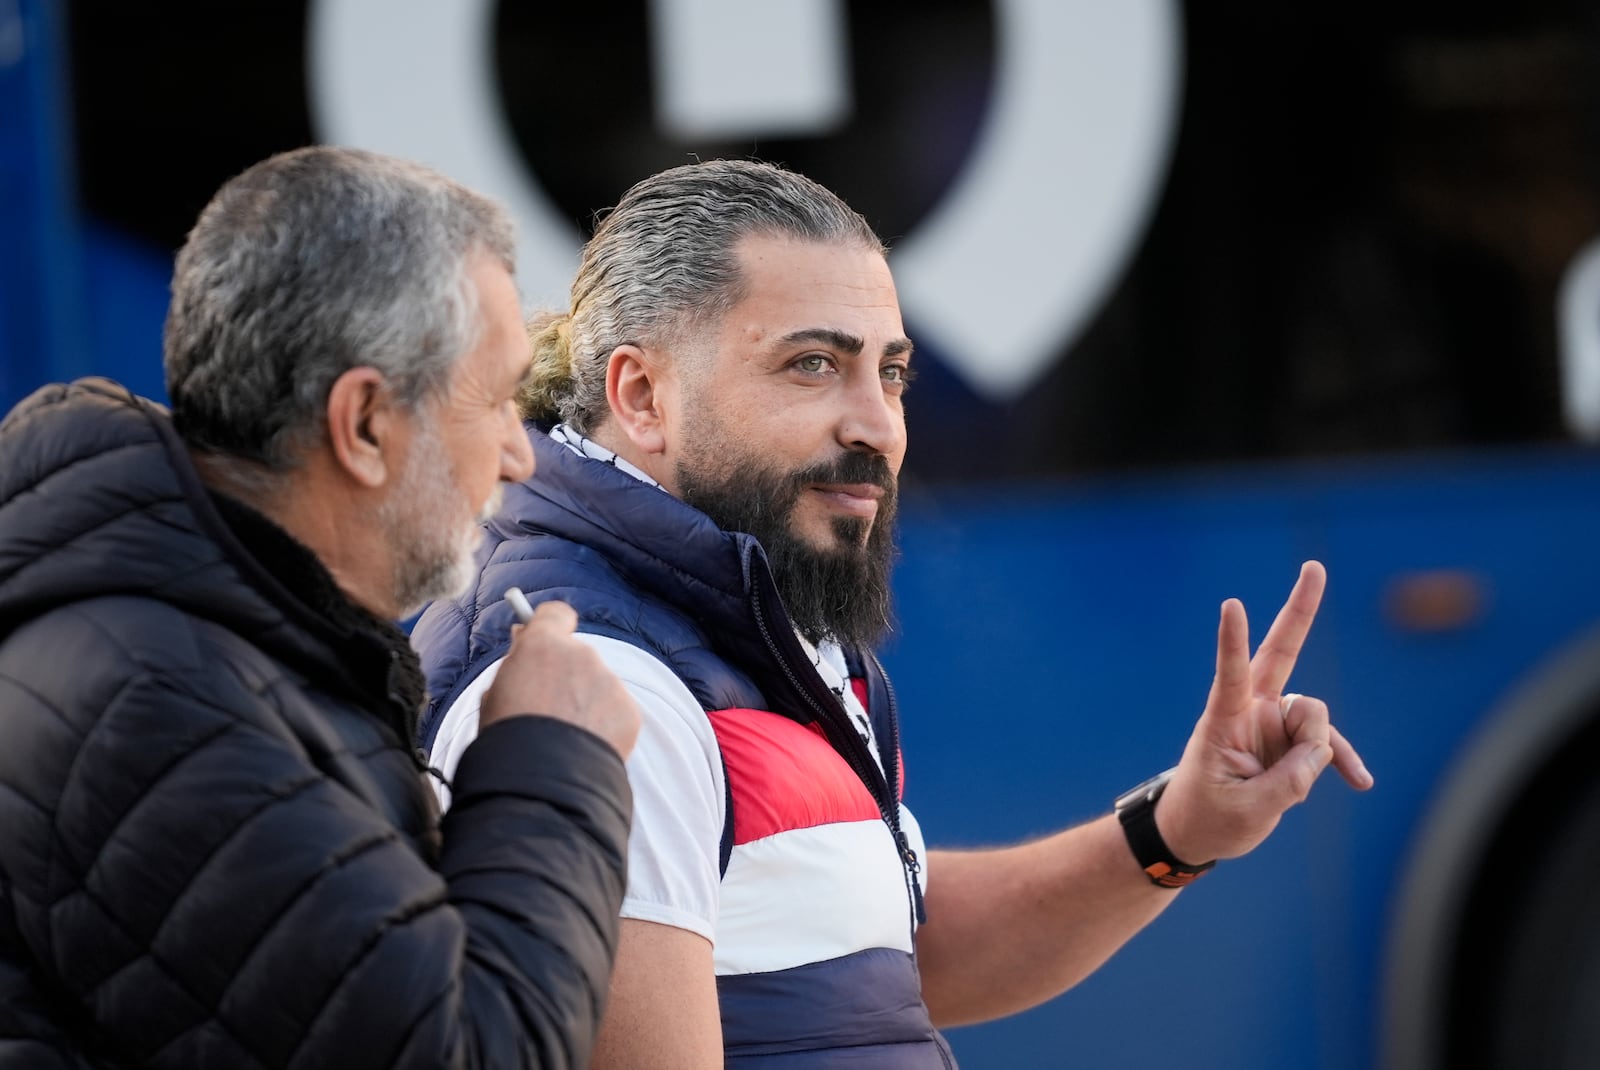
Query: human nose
point(516, 452)
point(873, 420)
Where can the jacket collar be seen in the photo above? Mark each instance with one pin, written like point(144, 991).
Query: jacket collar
point(98, 496)
point(669, 549)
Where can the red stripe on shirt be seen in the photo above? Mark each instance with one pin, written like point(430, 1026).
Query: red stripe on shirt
point(784, 775)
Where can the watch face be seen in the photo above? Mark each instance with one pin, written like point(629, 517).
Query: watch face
point(1148, 790)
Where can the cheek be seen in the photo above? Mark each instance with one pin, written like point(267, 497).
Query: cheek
point(486, 480)
point(476, 469)
point(898, 454)
point(803, 434)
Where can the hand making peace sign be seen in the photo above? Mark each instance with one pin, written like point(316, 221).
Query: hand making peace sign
point(1255, 751)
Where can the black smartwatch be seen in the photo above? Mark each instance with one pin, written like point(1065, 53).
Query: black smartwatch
point(1136, 809)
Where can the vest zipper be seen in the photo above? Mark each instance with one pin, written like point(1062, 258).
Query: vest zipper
point(853, 749)
point(891, 760)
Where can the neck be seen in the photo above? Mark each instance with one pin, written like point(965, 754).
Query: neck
point(653, 465)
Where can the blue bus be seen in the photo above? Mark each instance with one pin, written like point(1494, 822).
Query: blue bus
point(1200, 291)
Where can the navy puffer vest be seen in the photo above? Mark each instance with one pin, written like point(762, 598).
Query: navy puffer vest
point(642, 567)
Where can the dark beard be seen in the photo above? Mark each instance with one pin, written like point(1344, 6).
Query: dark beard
point(840, 593)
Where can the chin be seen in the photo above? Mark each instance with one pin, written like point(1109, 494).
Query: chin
point(825, 540)
point(828, 530)
point(454, 577)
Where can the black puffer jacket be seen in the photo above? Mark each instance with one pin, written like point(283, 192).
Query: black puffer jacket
point(216, 848)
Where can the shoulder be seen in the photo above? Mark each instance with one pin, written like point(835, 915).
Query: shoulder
point(645, 672)
point(80, 657)
point(132, 692)
point(676, 729)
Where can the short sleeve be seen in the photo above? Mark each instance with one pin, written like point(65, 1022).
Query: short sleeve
point(675, 770)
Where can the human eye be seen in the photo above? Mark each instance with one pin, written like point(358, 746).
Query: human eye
point(814, 363)
point(898, 374)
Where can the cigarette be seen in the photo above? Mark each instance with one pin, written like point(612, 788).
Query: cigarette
point(519, 603)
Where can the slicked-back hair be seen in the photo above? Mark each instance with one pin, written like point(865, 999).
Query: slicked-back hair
point(663, 263)
point(308, 264)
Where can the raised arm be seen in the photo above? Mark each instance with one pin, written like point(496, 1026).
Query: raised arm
point(1012, 927)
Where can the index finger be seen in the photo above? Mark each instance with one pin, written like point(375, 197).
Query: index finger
point(1230, 688)
point(1276, 657)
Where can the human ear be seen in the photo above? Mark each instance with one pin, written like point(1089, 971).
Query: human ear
point(362, 424)
point(637, 389)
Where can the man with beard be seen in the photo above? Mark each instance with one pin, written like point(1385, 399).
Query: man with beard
point(217, 843)
point(723, 402)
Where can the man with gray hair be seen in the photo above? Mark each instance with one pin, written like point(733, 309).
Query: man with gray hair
point(217, 843)
point(719, 426)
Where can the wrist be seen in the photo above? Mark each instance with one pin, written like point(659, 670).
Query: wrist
point(1136, 811)
point(1168, 814)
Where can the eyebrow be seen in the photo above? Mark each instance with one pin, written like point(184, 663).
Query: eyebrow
point(843, 341)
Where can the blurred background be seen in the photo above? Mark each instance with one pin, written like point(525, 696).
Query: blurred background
point(1199, 290)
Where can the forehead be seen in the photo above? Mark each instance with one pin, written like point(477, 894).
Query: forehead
point(790, 285)
point(502, 345)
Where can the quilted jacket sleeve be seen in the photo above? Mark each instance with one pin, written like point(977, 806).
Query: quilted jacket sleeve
point(197, 882)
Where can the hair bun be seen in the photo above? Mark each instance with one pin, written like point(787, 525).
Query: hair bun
point(550, 339)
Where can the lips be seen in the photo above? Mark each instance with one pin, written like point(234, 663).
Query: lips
point(859, 499)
